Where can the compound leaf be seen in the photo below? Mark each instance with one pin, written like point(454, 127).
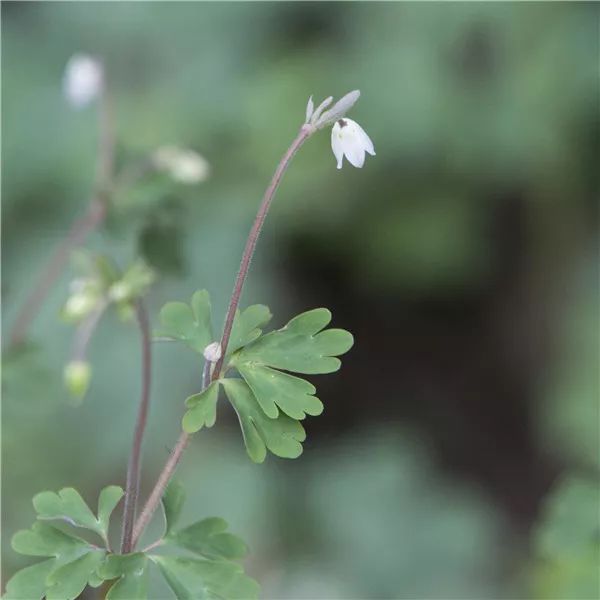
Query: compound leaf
point(189, 324)
point(210, 539)
point(132, 573)
point(282, 436)
point(45, 540)
point(299, 347)
point(198, 579)
point(202, 409)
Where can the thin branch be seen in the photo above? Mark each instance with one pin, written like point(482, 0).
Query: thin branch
point(80, 229)
point(171, 465)
point(132, 487)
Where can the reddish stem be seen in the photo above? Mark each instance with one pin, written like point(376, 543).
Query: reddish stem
point(171, 465)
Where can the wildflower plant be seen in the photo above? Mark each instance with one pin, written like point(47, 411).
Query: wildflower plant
point(257, 369)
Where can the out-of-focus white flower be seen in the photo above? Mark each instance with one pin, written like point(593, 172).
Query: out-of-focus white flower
point(213, 352)
point(349, 139)
point(182, 164)
point(82, 80)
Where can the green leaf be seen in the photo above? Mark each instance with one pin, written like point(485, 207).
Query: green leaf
point(68, 506)
point(246, 326)
point(45, 540)
point(64, 576)
point(69, 580)
point(132, 571)
point(272, 389)
point(202, 409)
point(172, 501)
point(195, 579)
point(210, 539)
point(282, 436)
point(29, 583)
point(109, 497)
point(190, 324)
point(299, 346)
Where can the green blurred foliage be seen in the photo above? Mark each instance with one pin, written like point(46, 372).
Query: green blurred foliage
point(469, 105)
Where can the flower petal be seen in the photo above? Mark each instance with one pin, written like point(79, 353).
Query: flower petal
point(337, 145)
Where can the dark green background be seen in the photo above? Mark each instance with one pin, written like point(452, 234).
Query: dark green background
point(463, 257)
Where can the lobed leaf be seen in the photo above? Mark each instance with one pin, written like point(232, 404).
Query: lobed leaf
point(29, 583)
point(299, 346)
point(197, 579)
point(172, 502)
point(69, 506)
point(246, 326)
point(70, 579)
point(210, 539)
point(189, 324)
point(202, 409)
point(273, 389)
point(282, 436)
point(62, 577)
point(132, 573)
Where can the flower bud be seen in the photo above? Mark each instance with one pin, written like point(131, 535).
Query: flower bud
point(79, 305)
point(77, 377)
point(213, 352)
point(182, 164)
point(82, 80)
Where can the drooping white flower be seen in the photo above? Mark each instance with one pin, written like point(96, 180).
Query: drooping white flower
point(213, 352)
point(82, 80)
point(182, 164)
point(349, 139)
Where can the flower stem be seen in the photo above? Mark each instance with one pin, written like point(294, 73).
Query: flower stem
point(80, 229)
point(171, 465)
point(132, 486)
point(85, 331)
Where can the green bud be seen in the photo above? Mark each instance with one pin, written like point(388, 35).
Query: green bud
point(79, 305)
point(77, 377)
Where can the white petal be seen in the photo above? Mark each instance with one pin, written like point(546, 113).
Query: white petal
point(367, 144)
point(337, 145)
point(355, 154)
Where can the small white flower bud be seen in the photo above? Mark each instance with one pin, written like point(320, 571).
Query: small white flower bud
point(82, 80)
point(213, 352)
point(182, 164)
point(338, 110)
point(79, 305)
point(77, 376)
point(119, 291)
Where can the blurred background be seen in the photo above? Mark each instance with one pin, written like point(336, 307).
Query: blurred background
point(463, 257)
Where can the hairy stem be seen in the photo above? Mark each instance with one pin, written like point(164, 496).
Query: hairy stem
point(132, 487)
point(171, 465)
point(80, 229)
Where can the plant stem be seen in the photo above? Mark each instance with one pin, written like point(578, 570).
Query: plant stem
point(171, 465)
point(80, 229)
point(132, 487)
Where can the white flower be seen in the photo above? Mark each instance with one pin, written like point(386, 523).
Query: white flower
point(213, 352)
point(183, 165)
point(82, 80)
point(349, 139)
